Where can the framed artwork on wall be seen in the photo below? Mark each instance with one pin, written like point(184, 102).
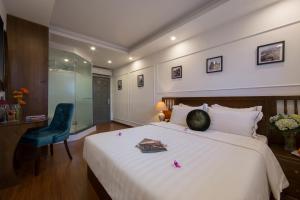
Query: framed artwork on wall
point(119, 84)
point(214, 64)
point(140, 80)
point(270, 53)
point(176, 72)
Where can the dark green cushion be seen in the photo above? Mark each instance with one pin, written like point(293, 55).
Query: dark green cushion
point(41, 138)
point(198, 120)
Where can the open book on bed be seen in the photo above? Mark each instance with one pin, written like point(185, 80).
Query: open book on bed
point(151, 146)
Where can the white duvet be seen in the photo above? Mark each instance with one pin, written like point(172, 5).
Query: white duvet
point(215, 165)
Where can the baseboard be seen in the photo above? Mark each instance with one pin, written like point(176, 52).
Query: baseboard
point(121, 123)
point(82, 134)
point(127, 123)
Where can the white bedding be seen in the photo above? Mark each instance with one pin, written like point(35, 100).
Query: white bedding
point(215, 165)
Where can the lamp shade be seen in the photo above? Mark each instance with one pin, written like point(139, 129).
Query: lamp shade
point(160, 106)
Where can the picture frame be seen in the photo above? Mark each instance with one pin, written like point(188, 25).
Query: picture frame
point(119, 83)
point(176, 72)
point(214, 64)
point(140, 80)
point(270, 53)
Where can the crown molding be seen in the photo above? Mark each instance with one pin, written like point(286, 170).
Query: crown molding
point(86, 39)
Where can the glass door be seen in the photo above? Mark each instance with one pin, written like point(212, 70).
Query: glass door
point(70, 81)
point(84, 95)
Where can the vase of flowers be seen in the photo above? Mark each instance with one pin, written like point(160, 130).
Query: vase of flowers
point(19, 96)
point(289, 127)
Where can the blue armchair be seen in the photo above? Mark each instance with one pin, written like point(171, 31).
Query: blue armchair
point(57, 131)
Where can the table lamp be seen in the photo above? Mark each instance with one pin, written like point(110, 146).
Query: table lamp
point(161, 106)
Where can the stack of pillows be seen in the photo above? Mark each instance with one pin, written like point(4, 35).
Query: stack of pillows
point(241, 121)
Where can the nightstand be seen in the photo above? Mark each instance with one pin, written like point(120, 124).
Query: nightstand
point(291, 167)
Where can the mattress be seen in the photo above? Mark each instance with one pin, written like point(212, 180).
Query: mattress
point(214, 165)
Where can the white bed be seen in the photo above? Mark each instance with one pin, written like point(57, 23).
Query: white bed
point(215, 165)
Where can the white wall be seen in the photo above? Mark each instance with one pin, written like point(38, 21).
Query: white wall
point(3, 13)
point(236, 42)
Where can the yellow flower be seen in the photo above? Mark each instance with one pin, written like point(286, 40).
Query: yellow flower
point(18, 96)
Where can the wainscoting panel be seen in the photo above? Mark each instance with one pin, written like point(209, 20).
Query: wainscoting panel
point(120, 98)
point(141, 107)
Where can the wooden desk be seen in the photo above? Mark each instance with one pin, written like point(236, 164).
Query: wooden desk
point(10, 135)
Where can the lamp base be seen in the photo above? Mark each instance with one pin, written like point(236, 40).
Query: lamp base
point(161, 116)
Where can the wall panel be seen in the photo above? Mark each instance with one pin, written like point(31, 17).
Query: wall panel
point(121, 98)
point(28, 62)
point(141, 106)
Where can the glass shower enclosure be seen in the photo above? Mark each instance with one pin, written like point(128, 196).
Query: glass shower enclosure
point(70, 81)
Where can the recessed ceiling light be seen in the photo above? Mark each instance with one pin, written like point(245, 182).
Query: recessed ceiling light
point(92, 48)
point(84, 61)
point(173, 38)
point(130, 58)
point(66, 60)
point(109, 62)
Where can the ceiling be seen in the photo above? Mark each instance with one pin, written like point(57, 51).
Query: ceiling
point(38, 11)
point(122, 22)
point(122, 28)
point(100, 55)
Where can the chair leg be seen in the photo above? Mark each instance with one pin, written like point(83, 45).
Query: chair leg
point(67, 148)
point(51, 149)
point(37, 163)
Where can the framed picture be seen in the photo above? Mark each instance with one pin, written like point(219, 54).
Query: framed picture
point(270, 53)
point(119, 84)
point(214, 64)
point(140, 80)
point(176, 72)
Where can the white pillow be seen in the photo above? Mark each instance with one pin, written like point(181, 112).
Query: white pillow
point(179, 114)
point(255, 108)
point(202, 107)
point(236, 122)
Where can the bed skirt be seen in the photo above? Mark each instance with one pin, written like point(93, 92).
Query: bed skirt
point(101, 192)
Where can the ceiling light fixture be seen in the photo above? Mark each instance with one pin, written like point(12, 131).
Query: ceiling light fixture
point(173, 38)
point(66, 60)
point(84, 61)
point(109, 62)
point(92, 48)
point(130, 58)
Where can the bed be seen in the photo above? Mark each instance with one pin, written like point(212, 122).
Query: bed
point(215, 164)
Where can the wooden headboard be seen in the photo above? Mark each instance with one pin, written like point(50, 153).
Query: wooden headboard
point(269, 104)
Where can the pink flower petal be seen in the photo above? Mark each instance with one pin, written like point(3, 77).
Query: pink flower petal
point(176, 164)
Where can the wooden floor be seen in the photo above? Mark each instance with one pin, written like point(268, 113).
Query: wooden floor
point(59, 177)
